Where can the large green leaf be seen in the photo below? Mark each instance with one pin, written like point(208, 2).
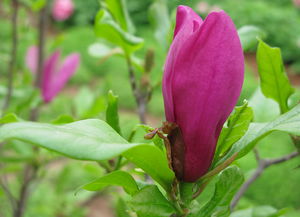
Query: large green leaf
point(118, 9)
point(228, 183)
point(237, 126)
point(112, 115)
point(248, 36)
point(149, 202)
point(108, 29)
point(117, 178)
point(85, 140)
point(274, 81)
point(153, 161)
point(94, 140)
point(288, 122)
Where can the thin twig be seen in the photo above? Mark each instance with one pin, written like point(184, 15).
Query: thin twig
point(30, 174)
point(8, 193)
point(41, 47)
point(12, 62)
point(262, 165)
point(31, 171)
point(139, 97)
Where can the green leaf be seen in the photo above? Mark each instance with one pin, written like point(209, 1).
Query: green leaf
point(89, 139)
point(228, 183)
point(83, 101)
point(100, 50)
point(98, 106)
point(37, 5)
point(93, 140)
point(149, 202)
point(237, 126)
point(122, 209)
point(153, 161)
point(288, 122)
point(118, 9)
point(63, 119)
point(88, 104)
point(160, 20)
point(117, 178)
point(9, 118)
point(260, 211)
point(274, 81)
point(108, 29)
point(264, 109)
point(112, 115)
point(248, 36)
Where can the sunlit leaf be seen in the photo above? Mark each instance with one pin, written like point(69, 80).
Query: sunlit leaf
point(116, 178)
point(288, 122)
point(9, 118)
point(274, 81)
point(153, 161)
point(237, 126)
point(112, 115)
point(92, 140)
point(84, 140)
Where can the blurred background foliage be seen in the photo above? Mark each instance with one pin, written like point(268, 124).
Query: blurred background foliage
point(278, 19)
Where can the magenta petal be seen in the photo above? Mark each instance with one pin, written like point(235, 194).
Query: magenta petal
point(31, 59)
point(63, 74)
point(203, 79)
point(50, 67)
point(186, 22)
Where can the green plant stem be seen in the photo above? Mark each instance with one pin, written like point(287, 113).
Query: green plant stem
point(118, 163)
point(13, 56)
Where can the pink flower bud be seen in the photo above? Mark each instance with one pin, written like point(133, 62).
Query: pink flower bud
point(202, 81)
point(62, 9)
point(55, 74)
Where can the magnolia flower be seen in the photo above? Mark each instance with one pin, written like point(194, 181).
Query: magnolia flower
point(62, 9)
point(203, 77)
point(55, 74)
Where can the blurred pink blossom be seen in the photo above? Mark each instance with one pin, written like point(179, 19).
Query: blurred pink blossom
point(203, 7)
point(62, 9)
point(297, 3)
point(55, 74)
